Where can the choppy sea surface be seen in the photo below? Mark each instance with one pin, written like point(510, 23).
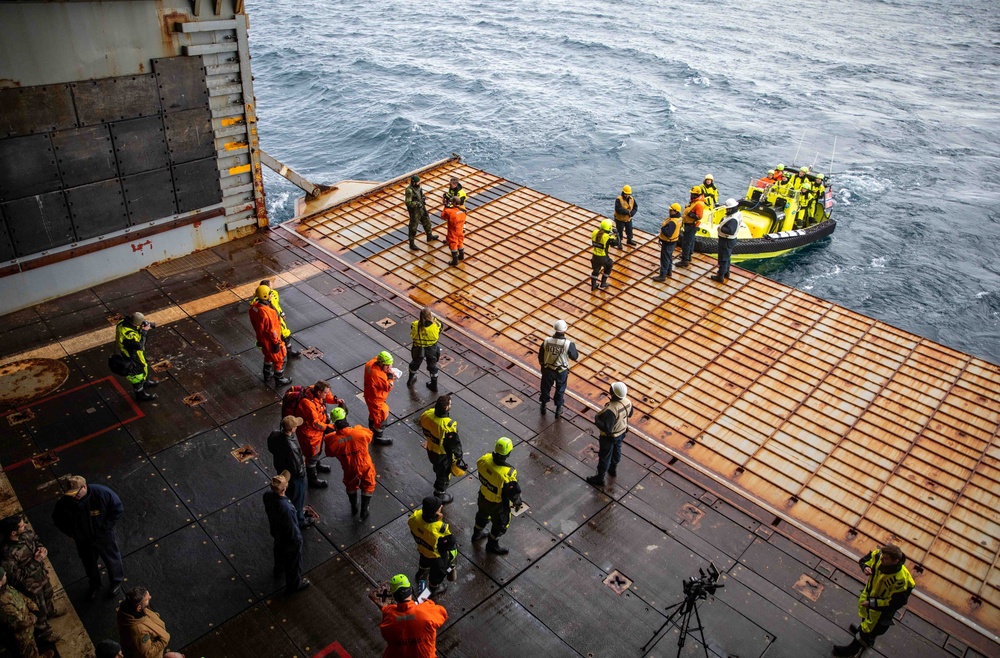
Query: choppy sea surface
point(577, 98)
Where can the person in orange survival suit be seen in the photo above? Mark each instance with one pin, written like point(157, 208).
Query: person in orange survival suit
point(350, 446)
point(455, 216)
point(312, 410)
point(267, 326)
point(379, 379)
point(410, 628)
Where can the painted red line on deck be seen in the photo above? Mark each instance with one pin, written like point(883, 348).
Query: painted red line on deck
point(333, 650)
point(114, 382)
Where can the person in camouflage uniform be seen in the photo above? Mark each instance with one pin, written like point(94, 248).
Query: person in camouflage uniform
point(22, 556)
point(417, 209)
point(17, 615)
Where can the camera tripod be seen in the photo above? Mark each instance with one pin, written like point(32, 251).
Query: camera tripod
point(685, 609)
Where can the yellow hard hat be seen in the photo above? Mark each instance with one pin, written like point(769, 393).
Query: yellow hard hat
point(627, 189)
point(263, 292)
point(337, 413)
point(676, 207)
point(803, 170)
point(780, 167)
point(697, 189)
point(820, 176)
point(384, 358)
point(398, 582)
point(709, 177)
point(806, 185)
point(606, 224)
point(503, 446)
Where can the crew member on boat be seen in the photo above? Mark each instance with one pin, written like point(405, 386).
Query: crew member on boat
point(710, 191)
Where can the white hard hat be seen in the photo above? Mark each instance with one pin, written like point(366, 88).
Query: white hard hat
point(732, 203)
point(619, 390)
point(560, 326)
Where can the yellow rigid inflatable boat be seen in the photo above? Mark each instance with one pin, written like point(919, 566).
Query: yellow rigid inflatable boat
point(780, 215)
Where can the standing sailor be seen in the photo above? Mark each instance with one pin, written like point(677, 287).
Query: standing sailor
point(670, 230)
point(498, 492)
point(554, 355)
point(455, 194)
point(379, 379)
point(729, 227)
point(444, 448)
point(612, 422)
point(625, 209)
point(425, 333)
point(710, 191)
point(267, 327)
point(692, 215)
point(130, 337)
point(601, 239)
point(417, 209)
point(286, 333)
point(454, 216)
point(435, 543)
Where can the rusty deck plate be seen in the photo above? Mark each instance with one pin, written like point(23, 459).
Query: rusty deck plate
point(841, 423)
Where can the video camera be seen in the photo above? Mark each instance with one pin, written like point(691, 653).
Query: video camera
point(704, 585)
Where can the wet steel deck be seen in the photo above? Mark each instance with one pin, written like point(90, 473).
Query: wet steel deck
point(851, 427)
point(194, 531)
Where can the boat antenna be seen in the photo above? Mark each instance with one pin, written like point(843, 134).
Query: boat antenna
point(833, 153)
point(796, 158)
point(813, 165)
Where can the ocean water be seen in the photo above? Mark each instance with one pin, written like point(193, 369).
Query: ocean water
point(578, 98)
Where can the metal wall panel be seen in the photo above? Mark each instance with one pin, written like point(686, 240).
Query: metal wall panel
point(190, 135)
point(38, 223)
point(115, 99)
point(85, 155)
point(27, 167)
point(97, 208)
point(30, 110)
point(149, 196)
point(139, 145)
point(181, 82)
point(197, 184)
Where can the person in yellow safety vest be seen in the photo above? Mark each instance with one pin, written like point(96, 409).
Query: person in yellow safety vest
point(806, 199)
point(885, 593)
point(130, 339)
point(818, 212)
point(286, 333)
point(425, 333)
point(612, 423)
point(625, 208)
point(498, 492)
point(601, 240)
point(795, 182)
point(456, 193)
point(692, 216)
point(670, 231)
point(781, 185)
point(435, 543)
point(444, 448)
point(710, 191)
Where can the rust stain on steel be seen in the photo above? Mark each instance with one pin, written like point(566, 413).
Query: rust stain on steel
point(808, 587)
point(195, 399)
point(44, 460)
point(244, 454)
point(690, 514)
point(618, 582)
point(846, 425)
point(30, 379)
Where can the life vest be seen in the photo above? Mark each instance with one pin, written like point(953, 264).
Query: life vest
point(735, 221)
point(425, 336)
point(628, 203)
point(455, 194)
point(599, 240)
point(881, 587)
point(670, 234)
point(694, 211)
point(276, 305)
point(555, 353)
point(621, 409)
point(711, 194)
point(435, 429)
point(493, 478)
point(427, 534)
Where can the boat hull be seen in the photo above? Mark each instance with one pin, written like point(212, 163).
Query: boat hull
point(768, 247)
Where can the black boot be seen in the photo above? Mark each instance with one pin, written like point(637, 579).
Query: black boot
point(593, 283)
point(268, 372)
point(379, 440)
point(280, 379)
point(478, 534)
point(596, 480)
point(444, 497)
point(314, 481)
point(431, 237)
point(353, 497)
point(454, 259)
point(493, 546)
point(433, 383)
point(293, 353)
point(604, 282)
point(412, 379)
point(142, 395)
point(461, 254)
point(613, 471)
point(365, 502)
point(151, 383)
point(413, 243)
point(322, 468)
point(718, 278)
point(559, 411)
point(541, 407)
point(851, 649)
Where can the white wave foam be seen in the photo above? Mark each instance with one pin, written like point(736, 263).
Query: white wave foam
point(878, 262)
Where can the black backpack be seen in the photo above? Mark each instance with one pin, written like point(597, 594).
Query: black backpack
point(120, 364)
